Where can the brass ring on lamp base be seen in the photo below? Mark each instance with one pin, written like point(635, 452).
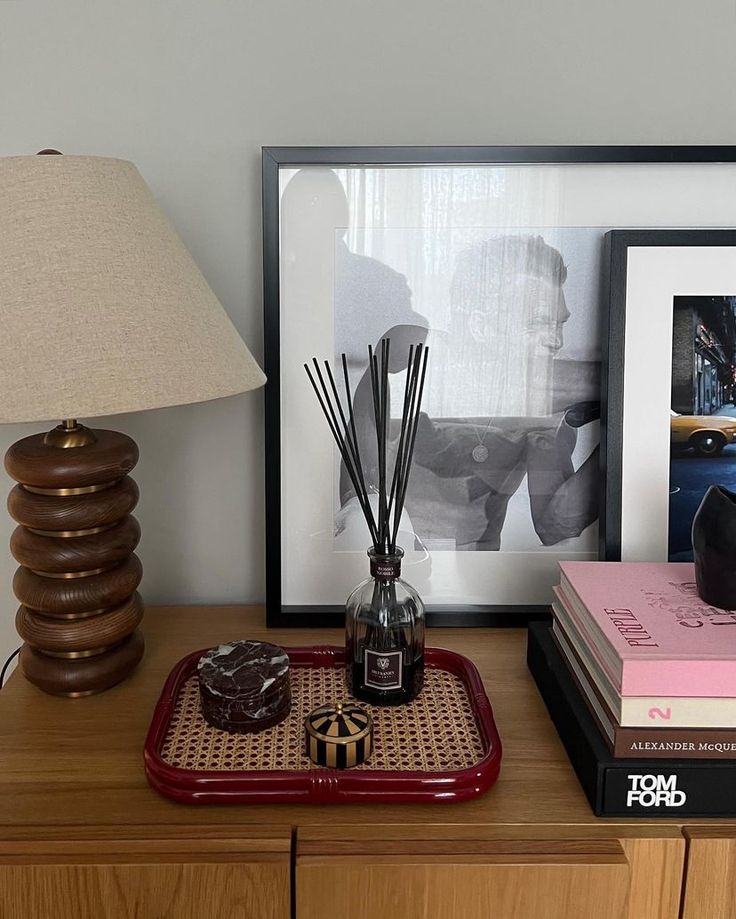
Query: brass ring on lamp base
point(69, 492)
point(72, 575)
point(77, 655)
point(71, 534)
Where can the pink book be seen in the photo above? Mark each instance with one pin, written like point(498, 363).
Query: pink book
point(654, 634)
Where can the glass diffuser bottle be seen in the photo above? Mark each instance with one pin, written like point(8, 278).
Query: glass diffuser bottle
point(384, 635)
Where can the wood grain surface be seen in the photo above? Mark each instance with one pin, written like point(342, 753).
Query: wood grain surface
point(77, 596)
point(539, 880)
point(63, 635)
point(59, 676)
point(173, 890)
point(710, 888)
point(56, 555)
point(32, 462)
point(655, 854)
point(167, 875)
point(67, 512)
point(657, 866)
point(72, 789)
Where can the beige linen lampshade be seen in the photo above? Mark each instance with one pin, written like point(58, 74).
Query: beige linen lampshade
point(102, 311)
point(102, 308)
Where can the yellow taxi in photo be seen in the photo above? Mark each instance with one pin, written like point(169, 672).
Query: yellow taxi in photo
point(707, 435)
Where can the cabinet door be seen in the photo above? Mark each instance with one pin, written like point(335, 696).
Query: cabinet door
point(146, 879)
point(364, 873)
point(573, 880)
point(710, 883)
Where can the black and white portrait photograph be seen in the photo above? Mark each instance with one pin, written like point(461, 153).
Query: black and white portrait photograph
point(497, 269)
point(506, 454)
point(506, 451)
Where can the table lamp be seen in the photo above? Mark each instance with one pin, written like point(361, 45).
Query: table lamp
point(102, 311)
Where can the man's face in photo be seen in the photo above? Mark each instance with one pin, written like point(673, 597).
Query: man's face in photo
point(538, 302)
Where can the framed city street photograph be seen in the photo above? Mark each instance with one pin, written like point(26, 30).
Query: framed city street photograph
point(493, 258)
point(670, 389)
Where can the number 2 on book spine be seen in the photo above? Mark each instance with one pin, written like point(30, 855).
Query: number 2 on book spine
point(658, 713)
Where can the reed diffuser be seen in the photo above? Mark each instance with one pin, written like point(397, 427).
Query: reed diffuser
point(384, 621)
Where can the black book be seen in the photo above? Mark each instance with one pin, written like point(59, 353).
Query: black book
point(624, 787)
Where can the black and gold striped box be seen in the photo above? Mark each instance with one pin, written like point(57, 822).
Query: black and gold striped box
point(339, 736)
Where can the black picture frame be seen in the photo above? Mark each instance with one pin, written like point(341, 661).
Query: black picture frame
point(275, 158)
point(615, 261)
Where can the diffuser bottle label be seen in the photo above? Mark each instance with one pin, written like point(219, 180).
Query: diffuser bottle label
point(385, 567)
point(383, 670)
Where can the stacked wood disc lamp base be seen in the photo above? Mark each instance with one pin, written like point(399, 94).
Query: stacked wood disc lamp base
point(78, 576)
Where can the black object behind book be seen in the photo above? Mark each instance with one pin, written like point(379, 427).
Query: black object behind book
point(624, 787)
point(714, 547)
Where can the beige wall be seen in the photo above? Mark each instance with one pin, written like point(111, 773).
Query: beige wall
point(190, 90)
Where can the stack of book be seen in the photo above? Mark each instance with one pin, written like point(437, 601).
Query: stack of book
point(639, 676)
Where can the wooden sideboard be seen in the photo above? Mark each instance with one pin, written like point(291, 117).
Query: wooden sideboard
point(82, 836)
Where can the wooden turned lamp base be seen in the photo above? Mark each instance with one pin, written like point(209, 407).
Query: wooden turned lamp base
point(78, 576)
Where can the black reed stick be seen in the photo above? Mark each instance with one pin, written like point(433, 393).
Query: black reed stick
point(350, 465)
point(384, 526)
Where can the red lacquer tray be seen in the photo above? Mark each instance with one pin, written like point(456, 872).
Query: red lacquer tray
point(443, 747)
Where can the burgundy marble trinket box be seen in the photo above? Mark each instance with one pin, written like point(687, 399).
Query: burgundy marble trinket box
point(244, 686)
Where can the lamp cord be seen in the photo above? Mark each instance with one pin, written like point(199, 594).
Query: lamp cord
point(7, 663)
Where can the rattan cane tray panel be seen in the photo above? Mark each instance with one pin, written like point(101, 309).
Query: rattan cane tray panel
point(436, 733)
point(443, 746)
